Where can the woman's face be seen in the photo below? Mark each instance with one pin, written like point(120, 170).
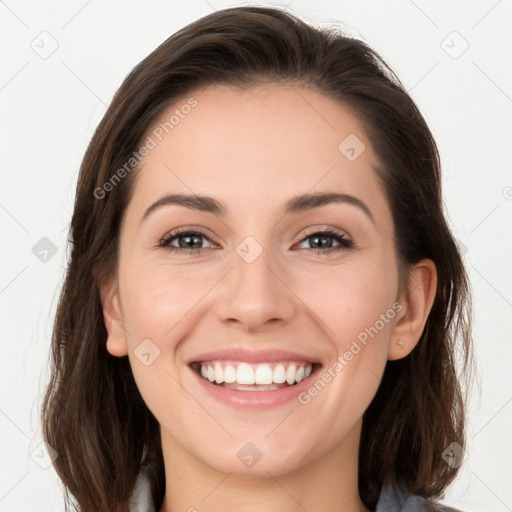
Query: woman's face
point(261, 285)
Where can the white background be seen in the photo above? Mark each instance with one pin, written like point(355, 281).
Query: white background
point(50, 107)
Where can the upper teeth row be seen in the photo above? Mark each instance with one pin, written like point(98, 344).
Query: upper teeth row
point(245, 373)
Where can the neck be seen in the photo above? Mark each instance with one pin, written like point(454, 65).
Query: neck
point(327, 484)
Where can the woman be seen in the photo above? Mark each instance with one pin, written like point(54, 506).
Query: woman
point(264, 303)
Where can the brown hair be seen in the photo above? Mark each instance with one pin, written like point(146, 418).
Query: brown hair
point(93, 414)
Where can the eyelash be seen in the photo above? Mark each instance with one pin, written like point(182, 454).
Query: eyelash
point(344, 243)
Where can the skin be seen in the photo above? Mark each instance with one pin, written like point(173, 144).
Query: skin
point(252, 151)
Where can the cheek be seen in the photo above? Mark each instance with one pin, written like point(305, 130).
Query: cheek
point(157, 298)
point(156, 303)
point(349, 298)
point(356, 309)
point(355, 304)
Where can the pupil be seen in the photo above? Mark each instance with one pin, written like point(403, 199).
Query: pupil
point(187, 243)
point(320, 238)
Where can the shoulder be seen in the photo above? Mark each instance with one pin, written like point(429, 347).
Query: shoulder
point(397, 499)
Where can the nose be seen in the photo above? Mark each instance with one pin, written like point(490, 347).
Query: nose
point(256, 294)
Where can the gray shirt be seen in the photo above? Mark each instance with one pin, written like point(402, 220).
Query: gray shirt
point(391, 499)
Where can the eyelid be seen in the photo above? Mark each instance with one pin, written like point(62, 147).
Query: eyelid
point(305, 233)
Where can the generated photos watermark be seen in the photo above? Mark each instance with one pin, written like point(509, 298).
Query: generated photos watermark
point(342, 360)
point(150, 143)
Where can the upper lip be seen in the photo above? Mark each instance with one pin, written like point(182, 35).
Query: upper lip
point(253, 356)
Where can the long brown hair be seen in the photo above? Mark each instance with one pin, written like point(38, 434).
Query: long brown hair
point(93, 414)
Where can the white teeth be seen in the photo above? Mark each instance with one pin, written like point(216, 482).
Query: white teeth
point(229, 374)
point(290, 374)
point(219, 374)
point(244, 374)
point(259, 374)
point(263, 374)
point(279, 374)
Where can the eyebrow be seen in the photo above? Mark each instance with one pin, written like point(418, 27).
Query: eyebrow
point(295, 205)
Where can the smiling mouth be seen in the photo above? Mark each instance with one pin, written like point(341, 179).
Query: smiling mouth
point(242, 376)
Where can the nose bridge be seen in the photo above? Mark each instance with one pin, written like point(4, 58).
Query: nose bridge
point(254, 292)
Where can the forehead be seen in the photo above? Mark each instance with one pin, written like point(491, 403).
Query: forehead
point(254, 149)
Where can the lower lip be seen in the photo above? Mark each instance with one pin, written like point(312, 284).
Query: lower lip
point(255, 399)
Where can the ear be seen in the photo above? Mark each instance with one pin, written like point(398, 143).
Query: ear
point(116, 341)
point(416, 304)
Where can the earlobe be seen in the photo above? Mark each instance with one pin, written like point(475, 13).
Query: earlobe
point(116, 341)
point(417, 303)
